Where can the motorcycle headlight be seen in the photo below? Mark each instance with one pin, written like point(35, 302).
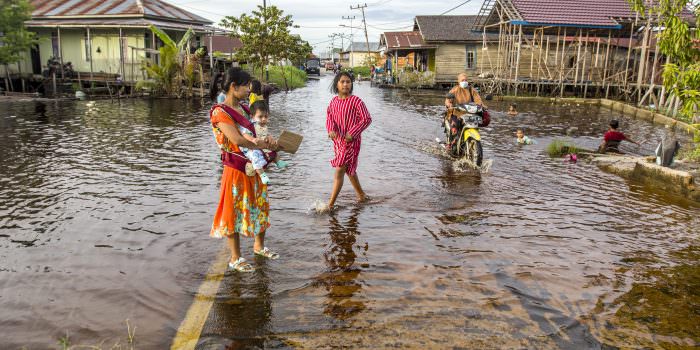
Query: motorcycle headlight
point(472, 109)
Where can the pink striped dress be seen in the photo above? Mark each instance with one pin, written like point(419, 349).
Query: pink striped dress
point(347, 116)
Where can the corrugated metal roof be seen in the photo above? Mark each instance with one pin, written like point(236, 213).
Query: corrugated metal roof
point(116, 22)
point(450, 28)
point(362, 46)
point(403, 40)
point(113, 8)
point(592, 13)
point(223, 43)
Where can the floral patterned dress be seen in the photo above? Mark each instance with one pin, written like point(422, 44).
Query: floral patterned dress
point(243, 203)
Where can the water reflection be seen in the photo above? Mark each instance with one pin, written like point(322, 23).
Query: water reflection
point(342, 278)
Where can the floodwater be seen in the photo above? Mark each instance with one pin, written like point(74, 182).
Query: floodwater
point(105, 210)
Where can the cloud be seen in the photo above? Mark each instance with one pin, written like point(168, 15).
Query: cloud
point(318, 19)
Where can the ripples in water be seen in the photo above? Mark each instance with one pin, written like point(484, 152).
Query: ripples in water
point(107, 206)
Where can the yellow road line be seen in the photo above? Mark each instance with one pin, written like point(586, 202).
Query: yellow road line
point(191, 327)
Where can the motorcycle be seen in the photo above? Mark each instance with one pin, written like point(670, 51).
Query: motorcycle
point(461, 125)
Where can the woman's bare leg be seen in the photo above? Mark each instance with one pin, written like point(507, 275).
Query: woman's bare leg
point(355, 181)
point(337, 185)
point(259, 242)
point(234, 245)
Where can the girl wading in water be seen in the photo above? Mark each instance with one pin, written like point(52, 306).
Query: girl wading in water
point(243, 203)
point(346, 118)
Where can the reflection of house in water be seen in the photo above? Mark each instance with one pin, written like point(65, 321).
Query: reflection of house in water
point(341, 277)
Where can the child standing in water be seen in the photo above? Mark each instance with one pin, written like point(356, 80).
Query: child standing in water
point(512, 111)
point(522, 139)
point(346, 118)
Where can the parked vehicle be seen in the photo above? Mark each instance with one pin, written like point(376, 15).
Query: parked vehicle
point(313, 66)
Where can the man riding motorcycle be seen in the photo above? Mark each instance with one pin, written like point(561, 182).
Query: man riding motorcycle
point(461, 94)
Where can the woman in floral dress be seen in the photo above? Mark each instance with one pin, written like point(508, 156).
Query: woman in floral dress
point(243, 203)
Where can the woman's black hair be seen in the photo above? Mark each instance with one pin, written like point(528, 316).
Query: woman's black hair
point(614, 124)
point(267, 91)
point(234, 75)
point(256, 87)
point(259, 105)
point(334, 86)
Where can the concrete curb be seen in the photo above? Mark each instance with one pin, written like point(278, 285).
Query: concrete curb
point(627, 109)
point(639, 169)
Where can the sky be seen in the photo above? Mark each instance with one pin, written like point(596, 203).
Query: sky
point(320, 18)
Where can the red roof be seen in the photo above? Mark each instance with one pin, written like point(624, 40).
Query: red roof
point(402, 40)
point(594, 13)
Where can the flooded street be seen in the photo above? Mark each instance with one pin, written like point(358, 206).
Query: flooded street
point(106, 208)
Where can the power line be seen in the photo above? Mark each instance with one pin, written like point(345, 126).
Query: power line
point(456, 7)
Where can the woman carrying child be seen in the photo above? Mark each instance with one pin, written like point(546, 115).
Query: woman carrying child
point(346, 118)
point(243, 203)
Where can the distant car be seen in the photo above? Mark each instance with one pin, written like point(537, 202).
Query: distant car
point(330, 65)
point(313, 66)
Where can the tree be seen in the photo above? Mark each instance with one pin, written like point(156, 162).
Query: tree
point(172, 65)
point(15, 39)
point(263, 33)
point(681, 46)
point(294, 49)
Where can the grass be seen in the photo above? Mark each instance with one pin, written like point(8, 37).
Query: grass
point(558, 148)
point(65, 342)
point(296, 77)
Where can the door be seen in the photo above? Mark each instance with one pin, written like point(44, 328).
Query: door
point(36, 60)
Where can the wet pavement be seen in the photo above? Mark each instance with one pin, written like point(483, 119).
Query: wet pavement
point(106, 208)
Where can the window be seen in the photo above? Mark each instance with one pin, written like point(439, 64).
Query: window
point(471, 60)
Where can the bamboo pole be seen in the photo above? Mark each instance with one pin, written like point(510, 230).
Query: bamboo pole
point(605, 65)
point(643, 59)
point(517, 63)
point(561, 66)
point(539, 62)
point(629, 52)
point(578, 58)
point(532, 53)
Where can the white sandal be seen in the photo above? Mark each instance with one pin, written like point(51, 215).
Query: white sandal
point(240, 265)
point(267, 253)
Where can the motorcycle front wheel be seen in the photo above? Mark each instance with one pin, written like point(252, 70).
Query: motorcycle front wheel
point(473, 151)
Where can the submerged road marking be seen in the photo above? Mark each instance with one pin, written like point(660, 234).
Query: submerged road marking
point(191, 327)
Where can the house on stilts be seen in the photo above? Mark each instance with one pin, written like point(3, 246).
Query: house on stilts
point(586, 48)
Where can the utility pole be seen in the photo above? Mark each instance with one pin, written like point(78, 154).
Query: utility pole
point(351, 38)
point(362, 8)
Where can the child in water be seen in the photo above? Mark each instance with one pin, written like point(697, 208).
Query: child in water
point(258, 158)
point(522, 139)
point(511, 110)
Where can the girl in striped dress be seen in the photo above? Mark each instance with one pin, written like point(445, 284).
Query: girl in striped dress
point(346, 118)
